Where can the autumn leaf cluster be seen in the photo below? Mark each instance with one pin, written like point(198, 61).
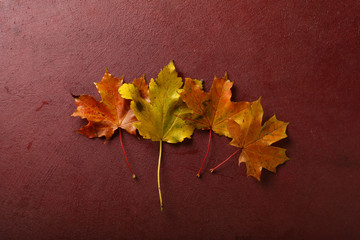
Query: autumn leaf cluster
point(168, 110)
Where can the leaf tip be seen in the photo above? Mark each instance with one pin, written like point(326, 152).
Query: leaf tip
point(171, 65)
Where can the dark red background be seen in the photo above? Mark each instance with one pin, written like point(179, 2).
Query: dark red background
point(302, 57)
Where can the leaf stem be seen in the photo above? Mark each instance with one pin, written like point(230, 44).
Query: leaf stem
point(127, 162)
point(158, 178)
point(199, 173)
point(213, 169)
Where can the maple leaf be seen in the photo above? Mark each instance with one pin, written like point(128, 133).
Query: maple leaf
point(210, 110)
point(254, 140)
point(109, 114)
point(158, 119)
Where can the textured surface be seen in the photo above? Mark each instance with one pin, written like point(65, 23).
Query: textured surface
point(302, 57)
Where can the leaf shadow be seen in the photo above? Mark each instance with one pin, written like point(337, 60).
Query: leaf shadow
point(283, 143)
point(268, 176)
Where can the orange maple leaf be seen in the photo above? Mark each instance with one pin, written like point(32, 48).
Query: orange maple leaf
point(111, 113)
point(254, 140)
point(210, 110)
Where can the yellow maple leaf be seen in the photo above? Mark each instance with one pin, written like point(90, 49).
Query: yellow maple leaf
point(158, 119)
point(254, 140)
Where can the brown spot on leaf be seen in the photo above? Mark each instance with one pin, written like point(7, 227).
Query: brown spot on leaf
point(139, 106)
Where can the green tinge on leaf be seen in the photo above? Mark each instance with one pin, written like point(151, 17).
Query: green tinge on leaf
point(159, 119)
